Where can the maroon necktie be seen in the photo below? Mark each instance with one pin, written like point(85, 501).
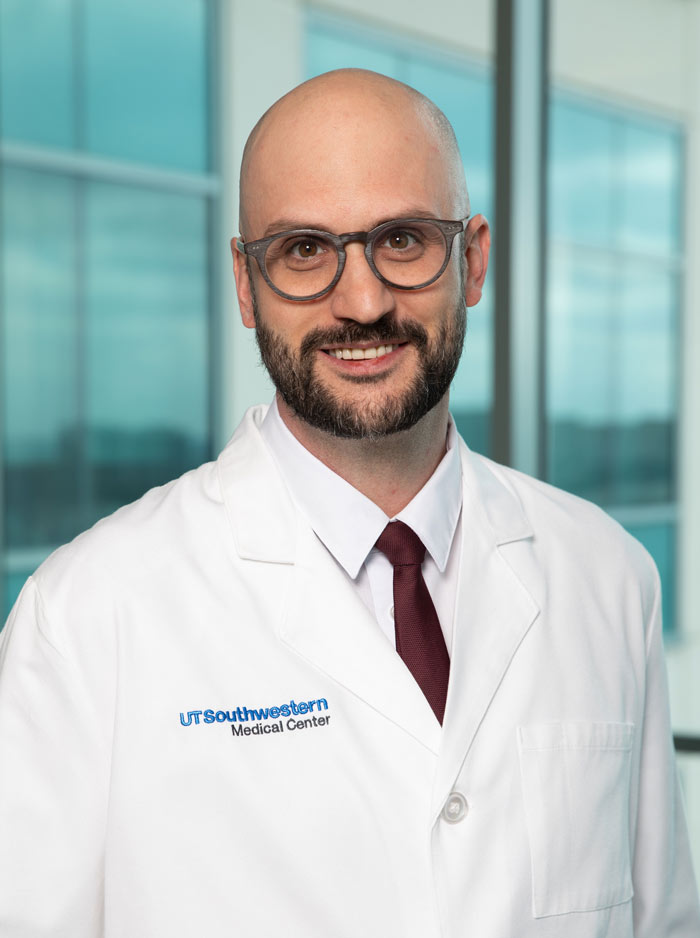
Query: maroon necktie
point(419, 638)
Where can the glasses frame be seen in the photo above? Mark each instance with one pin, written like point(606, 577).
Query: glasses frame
point(258, 250)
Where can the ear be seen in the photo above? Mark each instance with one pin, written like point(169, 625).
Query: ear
point(477, 239)
point(243, 286)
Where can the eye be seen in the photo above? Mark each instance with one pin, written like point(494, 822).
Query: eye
point(399, 239)
point(305, 248)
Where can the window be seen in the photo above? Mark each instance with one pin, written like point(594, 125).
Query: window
point(612, 317)
point(107, 192)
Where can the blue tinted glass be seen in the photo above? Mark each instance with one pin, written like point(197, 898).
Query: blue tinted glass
point(580, 372)
point(465, 98)
point(146, 81)
point(651, 164)
point(581, 173)
point(660, 540)
point(327, 49)
point(644, 403)
point(40, 366)
point(146, 342)
point(36, 71)
point(612, 375)
point(471, 392)
point(611, 379)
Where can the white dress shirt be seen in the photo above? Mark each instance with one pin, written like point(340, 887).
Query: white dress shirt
point(348, 523)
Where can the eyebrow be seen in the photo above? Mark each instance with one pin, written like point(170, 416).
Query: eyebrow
point(294, 224)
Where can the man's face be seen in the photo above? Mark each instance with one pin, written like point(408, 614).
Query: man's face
point(347, 165)
point(333, 407)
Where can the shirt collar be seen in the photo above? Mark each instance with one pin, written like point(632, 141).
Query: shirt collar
point(347, 521)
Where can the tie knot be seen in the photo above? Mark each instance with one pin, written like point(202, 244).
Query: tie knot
point(400, 544)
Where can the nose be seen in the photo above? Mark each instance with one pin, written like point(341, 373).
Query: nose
point(359, 295)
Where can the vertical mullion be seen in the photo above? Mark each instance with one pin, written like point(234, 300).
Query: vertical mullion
point(214, 312)
point(80, 183)
point(503, 155)
point(519, 237)
point(3, 394)
point(4, 570)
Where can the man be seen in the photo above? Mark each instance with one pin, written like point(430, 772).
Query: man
point(350, 679)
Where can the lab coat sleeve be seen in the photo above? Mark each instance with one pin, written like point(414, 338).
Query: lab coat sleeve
point(54, 770)
point(665, 891)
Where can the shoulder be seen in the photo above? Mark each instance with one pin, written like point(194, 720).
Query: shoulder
point(568, 533)
point(181, 521)
point(134, 543)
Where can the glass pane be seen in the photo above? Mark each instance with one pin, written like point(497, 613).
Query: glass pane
point(41, 393)
point(611, 380)
point(581, 164)
point(327, 49)
point(36, 72)
point(146, 81)
point(650, 187)
point(644, 386)
point(147, 335)
point(580, 373)
point(470, 395)
point(466, 98)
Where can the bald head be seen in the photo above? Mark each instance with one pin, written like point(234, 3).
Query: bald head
point(348, 115)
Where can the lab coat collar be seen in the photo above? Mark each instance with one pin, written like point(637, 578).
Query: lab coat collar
point(328, 625)
point(347, 521)
point(253, 490)
point(262, 517)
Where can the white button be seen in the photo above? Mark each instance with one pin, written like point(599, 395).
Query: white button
point(391, 612)
point(455, 809)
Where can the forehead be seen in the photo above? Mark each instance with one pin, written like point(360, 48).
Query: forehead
point(344, 162)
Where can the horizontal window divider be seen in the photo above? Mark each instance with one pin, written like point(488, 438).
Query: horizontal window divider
point(87, 166)
point(673, 261)
point(26, 559)
point(624, 105)
point(381, 32)
point(644, 514)
point(686, 744)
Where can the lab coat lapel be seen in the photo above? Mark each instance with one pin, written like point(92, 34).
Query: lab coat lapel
point(325, 621)
point(494, 611)
point(330, 626)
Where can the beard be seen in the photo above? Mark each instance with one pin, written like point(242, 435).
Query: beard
point(294, 375)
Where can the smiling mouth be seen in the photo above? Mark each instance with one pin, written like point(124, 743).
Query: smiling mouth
point(361, 354)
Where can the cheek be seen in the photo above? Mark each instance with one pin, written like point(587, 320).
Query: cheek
point(431, 305)
point(280, 318)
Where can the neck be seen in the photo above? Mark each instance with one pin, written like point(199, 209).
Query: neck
point(389, 471)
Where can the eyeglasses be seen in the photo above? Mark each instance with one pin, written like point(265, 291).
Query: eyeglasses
point(305, 263)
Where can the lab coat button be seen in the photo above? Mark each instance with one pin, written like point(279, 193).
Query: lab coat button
point(391, 612)
point(455, 808)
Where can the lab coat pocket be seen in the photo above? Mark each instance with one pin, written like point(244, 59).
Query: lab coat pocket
point(576, 785)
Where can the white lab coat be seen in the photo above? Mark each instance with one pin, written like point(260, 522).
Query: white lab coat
point(121, 817)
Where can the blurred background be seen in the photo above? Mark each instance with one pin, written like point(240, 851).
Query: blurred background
point(123, 364)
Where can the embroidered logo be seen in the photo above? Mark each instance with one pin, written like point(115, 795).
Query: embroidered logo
point(311, 710)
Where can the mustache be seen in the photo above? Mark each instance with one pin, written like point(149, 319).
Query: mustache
point(379, 333)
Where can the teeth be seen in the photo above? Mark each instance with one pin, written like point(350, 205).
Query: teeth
point(359, 354)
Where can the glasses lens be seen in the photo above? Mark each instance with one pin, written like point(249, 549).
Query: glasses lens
point(301, 264)
point(409, 254)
